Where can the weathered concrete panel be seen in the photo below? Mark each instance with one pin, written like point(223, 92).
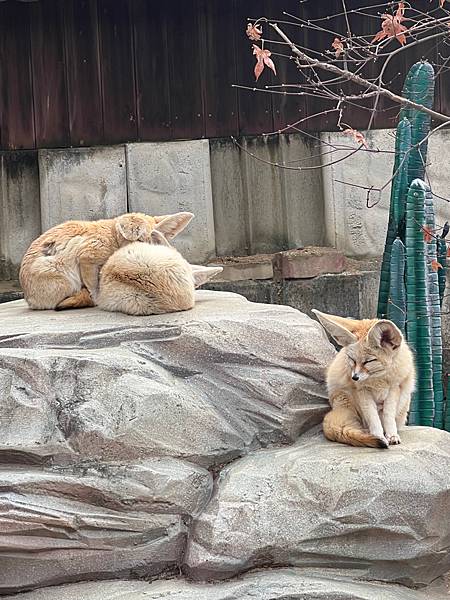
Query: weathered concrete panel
point(260, 207)
point(82, 183)
point(20, 220)
point(352, 227)
point(169, 177)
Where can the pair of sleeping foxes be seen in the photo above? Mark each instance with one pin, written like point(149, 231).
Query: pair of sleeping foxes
point(126, 264)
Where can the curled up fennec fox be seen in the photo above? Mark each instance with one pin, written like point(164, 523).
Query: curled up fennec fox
point(61, 267)
point(370, 382)
point(148, 279)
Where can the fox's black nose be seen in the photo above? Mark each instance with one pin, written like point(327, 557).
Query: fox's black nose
point(355, 377)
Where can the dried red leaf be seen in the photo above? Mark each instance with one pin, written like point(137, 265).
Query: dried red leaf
point(262, 58)
point(254, 32)
point(338, 46)
point(357, 136)
point(435, 265)
point(427, 234)
point(391, 26)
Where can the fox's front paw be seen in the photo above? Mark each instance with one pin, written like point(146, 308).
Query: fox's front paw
point(393, 439)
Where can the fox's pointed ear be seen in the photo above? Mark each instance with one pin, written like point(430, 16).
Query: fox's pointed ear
point(158, 238)
point(338, 327)
point(385, 334)
point(204, 274)
point(171, 225)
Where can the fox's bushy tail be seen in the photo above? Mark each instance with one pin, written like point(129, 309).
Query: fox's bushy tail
point(81, 299)
point(342, 425)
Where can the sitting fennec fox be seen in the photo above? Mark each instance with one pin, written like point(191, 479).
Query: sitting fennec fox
point(370, 382)
point(61, 267)
point(150, 279)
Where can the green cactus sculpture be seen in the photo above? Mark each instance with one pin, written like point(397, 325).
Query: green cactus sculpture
point(413, 252)
point(418, 305)
point(435, 309)
point(399, 190)
point(396, 309)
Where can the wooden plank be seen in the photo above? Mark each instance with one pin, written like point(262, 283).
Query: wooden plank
point(219, 69)
point(16, 92)
point(152, 70)
point(117, 71)
point(187, 106)
point(49, 80)
point(83, 72)
point(287, 109)
point(255, 108)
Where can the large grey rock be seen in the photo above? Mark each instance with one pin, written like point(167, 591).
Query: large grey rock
point(279, 584)
point(321, 504)
point(167, 177)
point(107, 423)
point(95, 520)
point(82, 183)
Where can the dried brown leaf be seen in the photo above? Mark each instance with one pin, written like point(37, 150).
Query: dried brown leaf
point(254, 32)
point(391, 26)
point(338, 46)
point(427, 234)
point(435, 265)
point(357, 136)
point(262, 58)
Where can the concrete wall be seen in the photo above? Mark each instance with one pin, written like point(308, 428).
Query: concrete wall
point(259, 207)
point(20, 219)
point(352, 227)
point(241, 204)
point(168, 177)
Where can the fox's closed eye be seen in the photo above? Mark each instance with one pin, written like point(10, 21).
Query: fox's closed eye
point(366, 362)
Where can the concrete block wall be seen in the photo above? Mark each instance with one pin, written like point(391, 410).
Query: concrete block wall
point(168, 177)
point(260, 208)
point(242, 205)
point(20, 220)
point(350, 226)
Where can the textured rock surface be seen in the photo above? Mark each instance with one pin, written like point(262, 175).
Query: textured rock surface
point(108, 423)
point(279, 584)
point(318, 504)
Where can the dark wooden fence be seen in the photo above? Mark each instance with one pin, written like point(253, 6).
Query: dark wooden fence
point(86, 72)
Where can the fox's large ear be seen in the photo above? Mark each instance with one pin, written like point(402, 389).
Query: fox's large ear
point(158, 239)
point(338, 327)
point(132, 227)
point(171, 225)
point(204, 274)
point(385, 334)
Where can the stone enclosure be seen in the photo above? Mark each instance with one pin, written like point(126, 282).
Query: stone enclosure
point(187, 445)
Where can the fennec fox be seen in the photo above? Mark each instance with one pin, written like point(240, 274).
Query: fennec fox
point(370, 382)
point(61, 268)
point(149, 279)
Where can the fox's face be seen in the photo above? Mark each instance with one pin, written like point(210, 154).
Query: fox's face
point(137, 227)
point(369, 345)
point(365, 362)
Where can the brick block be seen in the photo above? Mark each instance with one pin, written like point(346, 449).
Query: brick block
point(240, 268)
point(307, 263)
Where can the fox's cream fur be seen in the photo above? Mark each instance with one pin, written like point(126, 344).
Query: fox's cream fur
point(148, 279)
point(61, 267)
point(370, 382)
